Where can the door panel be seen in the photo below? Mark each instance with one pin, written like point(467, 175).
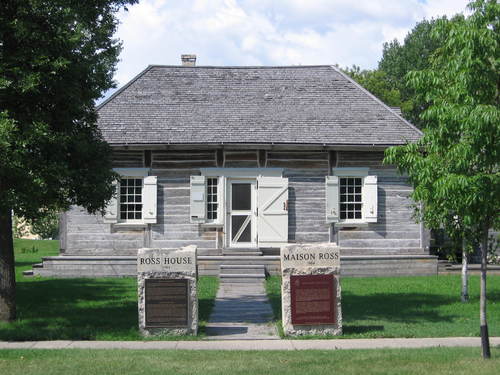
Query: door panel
point(272, 206)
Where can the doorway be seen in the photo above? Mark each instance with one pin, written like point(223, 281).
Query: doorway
point(241, 214)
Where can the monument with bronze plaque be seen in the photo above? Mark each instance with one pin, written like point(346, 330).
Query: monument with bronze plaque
point(168, 300)
point(310, 289)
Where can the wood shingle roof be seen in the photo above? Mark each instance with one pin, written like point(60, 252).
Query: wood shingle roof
point(248, 105)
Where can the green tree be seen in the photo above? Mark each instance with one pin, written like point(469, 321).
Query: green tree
point(377, 82)
point(46, 225)
point(454, 168)
point(414, 54)
point(56, 59)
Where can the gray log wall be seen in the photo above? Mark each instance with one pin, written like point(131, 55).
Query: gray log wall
point(394, 233)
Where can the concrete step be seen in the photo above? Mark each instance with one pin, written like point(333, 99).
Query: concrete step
point(37, 265)
point(242, 251)
point(240, 269)
point(241, 278)
point(28, 273)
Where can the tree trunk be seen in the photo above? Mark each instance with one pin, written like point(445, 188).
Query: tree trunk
point(485, 340)
point(7, 270)
point(465, 277)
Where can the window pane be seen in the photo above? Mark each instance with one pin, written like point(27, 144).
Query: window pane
point(350, 207)
point(130, 199)
point(212, 198)
point(241, 196)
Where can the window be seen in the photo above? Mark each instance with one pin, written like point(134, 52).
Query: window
point(212, 195)
point(130, 198)
point(135, 199)
point(351, 196)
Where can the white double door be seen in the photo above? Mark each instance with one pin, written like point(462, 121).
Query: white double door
point(257, 212)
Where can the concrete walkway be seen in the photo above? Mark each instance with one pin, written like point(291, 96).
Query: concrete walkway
point(335, 344)
point(241, 312)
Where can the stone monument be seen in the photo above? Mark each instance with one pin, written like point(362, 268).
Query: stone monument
point(310, 289)
point(167, 295)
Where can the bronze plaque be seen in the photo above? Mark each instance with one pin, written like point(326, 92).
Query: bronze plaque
point(166, 303)
point(313, 299)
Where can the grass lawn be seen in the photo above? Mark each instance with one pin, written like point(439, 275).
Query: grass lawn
point(441, 361)
point(80, 309)
point(408, 306)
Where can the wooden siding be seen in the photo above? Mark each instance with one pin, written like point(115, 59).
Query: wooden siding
point(127, 159)
point(88, 235)
point(394, 233)
point(240, 159)
point(173, 228)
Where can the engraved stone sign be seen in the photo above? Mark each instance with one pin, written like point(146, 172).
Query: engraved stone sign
point(168, 301)
point(310, 289)
point(313, 299)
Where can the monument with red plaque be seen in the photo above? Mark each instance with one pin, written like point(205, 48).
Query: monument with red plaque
point(311, 289)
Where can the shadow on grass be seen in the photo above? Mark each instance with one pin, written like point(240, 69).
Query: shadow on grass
point(73, 309)
point(396, 307)
point(371, 314)
point(79, 309)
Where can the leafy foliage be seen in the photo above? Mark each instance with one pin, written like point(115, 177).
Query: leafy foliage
point(377, 82)
point(46, 226)
point(413, 54)
point(454, 168)
point(56, 59)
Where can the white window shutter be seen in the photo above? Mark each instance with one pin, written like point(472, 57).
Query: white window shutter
point(272, 205)
point(332, 199)
point(149, 199)
point(111, 212)
point(370, 199)
point(198, 207)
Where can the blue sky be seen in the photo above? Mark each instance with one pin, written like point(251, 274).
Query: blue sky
point(267, 32)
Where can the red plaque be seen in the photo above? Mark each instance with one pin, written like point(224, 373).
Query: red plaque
point(313, 299)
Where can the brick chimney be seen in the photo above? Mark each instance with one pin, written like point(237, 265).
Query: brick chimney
point(188, 60)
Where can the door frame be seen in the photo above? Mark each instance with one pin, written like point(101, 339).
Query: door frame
point(229, 212)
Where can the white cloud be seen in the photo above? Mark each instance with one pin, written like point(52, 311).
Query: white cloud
point(259, 32)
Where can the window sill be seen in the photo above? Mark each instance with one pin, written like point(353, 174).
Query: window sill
point(351, 224)
point(212, 225)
